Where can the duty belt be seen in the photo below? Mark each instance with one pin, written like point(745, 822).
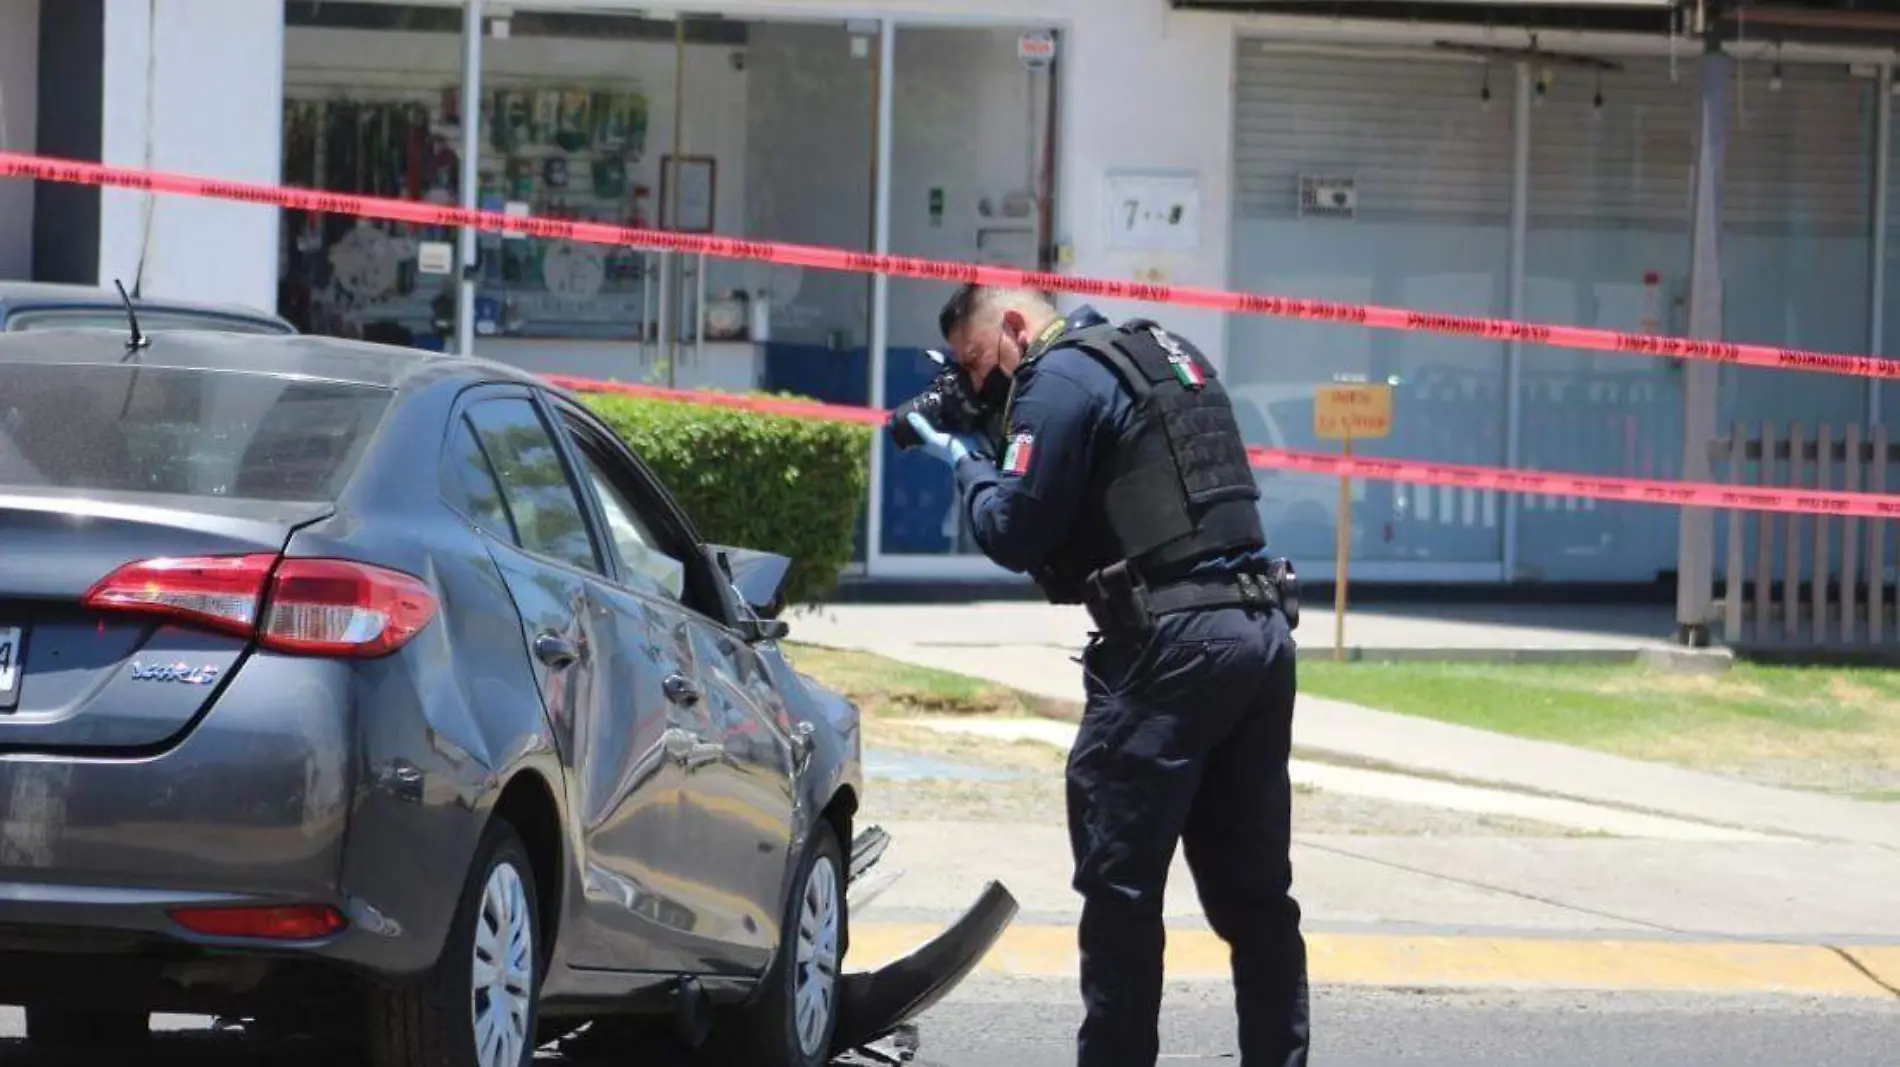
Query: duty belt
point(1214, 591)
point(1121, 604)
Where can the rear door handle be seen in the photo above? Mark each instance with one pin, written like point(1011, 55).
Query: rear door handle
point(554, 650)
point(689, 751)
point(679, 745)
point(680, 690)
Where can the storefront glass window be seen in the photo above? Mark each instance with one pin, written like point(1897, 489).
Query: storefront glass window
point(760, 129)
point(626, 119)
point(1797, 228)
point(971, 180)
point(370, 106)
point(1611, 163)
point(811, 127)
point(1382, 180)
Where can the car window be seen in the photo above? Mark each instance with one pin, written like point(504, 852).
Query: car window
point(139, 429)
point(633, 539)
point(150, 321)
point(468, 483)
point(541, 500)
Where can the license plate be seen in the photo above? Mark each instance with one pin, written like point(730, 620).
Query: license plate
point(9, 667)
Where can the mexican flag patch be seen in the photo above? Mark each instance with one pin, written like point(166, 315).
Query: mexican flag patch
point(1186, 370)
point(1016, 456)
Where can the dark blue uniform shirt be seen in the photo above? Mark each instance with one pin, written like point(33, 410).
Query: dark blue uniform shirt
point(1045, 492)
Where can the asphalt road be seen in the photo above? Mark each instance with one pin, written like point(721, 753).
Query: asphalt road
point(1028, 1023)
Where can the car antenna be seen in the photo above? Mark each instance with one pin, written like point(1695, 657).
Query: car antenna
point(139, 340)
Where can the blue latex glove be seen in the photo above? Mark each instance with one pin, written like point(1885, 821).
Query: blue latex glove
point(948, 447)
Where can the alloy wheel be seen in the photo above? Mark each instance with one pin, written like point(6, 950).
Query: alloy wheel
point(815, 978)
point(502, 979)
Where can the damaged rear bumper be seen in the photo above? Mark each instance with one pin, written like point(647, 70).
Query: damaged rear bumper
point(872, 1005)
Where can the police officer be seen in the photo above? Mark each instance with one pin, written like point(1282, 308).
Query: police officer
point(1123, 484)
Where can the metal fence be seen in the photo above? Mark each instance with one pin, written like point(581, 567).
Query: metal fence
point(1807, 581)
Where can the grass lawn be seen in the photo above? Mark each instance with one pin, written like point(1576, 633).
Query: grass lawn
point(885, 687)
point(896, 695)
point(1836, 730)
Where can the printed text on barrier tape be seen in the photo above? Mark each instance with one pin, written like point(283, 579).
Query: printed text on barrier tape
point(1414, 472)
point(44, 168)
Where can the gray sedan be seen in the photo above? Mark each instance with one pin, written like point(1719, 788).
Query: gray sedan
point(364, 689)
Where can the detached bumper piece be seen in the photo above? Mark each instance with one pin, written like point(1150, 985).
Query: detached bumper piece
point(867, 848)
point(876, 1004)
point(862, 887)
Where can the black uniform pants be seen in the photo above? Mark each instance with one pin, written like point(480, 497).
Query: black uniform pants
point(1185, 736)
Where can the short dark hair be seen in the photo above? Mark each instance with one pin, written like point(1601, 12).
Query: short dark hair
point(971, 296)
point(958, 309)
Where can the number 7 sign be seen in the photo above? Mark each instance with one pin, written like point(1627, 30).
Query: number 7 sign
point(1151, 211)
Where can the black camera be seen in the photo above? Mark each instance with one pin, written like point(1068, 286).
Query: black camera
point(945, 403)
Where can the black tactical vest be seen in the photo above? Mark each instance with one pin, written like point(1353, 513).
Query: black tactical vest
point(1180, 488)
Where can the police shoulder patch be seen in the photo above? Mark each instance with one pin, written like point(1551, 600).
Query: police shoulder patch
point(1016, 457)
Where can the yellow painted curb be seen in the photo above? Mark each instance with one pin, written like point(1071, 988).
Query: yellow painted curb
point(1395, 960)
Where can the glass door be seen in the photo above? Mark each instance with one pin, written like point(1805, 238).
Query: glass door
point(972, 174)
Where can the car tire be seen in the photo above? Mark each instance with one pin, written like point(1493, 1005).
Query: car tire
point(770, 1030)
point(445, 1019)
point(79, 1028)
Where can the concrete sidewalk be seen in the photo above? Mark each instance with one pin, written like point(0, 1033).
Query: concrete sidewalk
point(1405, 789)
point(1030, 647)
point(1409, 912)
point(1578, 888)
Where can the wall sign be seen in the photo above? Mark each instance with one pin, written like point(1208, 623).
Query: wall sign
point(435, 257)
point(686, 192)
point(1327, 197)
point(1036, 48)
point(1149, 211)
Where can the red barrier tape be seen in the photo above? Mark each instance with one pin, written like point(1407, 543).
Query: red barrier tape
point(46, 168)
point(1416, 472)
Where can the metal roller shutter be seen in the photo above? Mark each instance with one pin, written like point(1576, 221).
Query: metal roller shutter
point(1800, 155)
point(1627, 166)
point(1797, 155)
point(1410, 131)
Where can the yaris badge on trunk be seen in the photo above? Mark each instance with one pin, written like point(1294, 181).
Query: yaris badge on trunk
point(174, 672)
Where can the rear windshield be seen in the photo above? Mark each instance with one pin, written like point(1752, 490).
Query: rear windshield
point(191, 432)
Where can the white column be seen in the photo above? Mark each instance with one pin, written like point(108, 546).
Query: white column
point(19, 119)
point(164, 108)
point(1701, 378)
point(1514, 357)
point(880, 285)
point(471, 173)
point(1877, 243)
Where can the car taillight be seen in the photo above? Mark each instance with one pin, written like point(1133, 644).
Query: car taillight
point(323, 607)
point(336, 608)
point(220, 592)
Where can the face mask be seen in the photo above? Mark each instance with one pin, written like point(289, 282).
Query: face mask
point(995, 390)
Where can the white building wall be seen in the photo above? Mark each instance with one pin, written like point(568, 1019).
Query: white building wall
point(1143, 87)
point(19, 107)
point(1148, 88)
point(193, 86)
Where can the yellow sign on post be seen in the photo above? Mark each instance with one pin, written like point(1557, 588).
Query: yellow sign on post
point(1341, 413)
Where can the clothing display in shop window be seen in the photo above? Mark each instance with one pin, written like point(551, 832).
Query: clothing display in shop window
point(560, 151)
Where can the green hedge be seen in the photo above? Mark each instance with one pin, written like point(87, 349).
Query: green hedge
point(775, 483)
